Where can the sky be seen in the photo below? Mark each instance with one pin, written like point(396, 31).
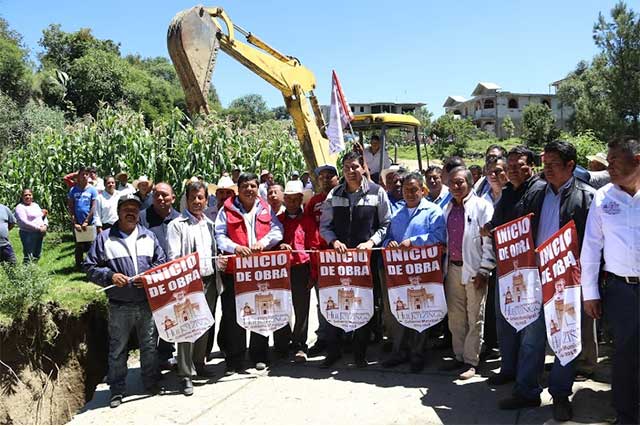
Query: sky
point(400, 51)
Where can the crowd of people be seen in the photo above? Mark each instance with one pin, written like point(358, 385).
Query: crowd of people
point(453, 205)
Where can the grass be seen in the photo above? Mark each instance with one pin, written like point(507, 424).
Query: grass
point(68, 289)
point(474, 154)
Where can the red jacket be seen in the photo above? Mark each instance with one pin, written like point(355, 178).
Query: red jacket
point(236, 228)
point(313, 210)
point(300, 233)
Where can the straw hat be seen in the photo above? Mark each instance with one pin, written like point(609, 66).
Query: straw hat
point(142, 179)
point(121, 174)
point(385, 172)
point(294, 187)
point(225, 182)
point(600, 157)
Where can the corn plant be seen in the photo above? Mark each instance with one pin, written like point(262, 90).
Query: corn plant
point(172, 151)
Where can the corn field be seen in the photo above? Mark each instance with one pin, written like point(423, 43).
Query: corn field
point(171, 151)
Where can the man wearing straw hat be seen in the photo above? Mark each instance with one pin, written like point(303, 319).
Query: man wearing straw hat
point(300, 235)
point(598, 174)
point(143, 190)
point(218, 193)
point(122, 184)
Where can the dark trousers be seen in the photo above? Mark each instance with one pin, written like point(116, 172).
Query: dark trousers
point(321, 332)
point(301, 295)
point(7, 254)
point(360, 340)
point(622, 306)
point(191, 356)
point(233, 338)
point(80, 250)
point(31, 245)
point(490, 332)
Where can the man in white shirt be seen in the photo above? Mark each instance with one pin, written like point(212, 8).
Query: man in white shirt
point(613, 233)
point(107, 205)
point(372, 155)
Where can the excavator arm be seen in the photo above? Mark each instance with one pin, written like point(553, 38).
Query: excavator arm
point(193, 39)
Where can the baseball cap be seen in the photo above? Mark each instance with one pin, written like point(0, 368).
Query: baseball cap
point(129, 197)
point(326, 167)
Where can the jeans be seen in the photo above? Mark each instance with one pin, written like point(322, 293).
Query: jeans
point(490, 334)
point(522, 352)
point(7, 254)
point(561, 379)
point(323, 324)
point(301, 296)
point(123, 318)
point(31, 245)
point(622, 306)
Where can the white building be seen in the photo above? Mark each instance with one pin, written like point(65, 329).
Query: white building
point(376, 108)
point(489, 105)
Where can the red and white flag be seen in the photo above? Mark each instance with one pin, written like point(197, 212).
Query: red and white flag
point(340, 116)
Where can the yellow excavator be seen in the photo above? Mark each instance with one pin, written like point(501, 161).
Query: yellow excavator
point(193, 40)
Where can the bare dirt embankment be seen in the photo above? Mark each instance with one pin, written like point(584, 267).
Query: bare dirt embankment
point(50, 364)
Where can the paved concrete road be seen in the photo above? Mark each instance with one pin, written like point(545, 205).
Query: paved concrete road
point(290, 393)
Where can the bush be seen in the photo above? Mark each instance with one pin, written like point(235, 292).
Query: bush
point(21, 286)
point(586, 143)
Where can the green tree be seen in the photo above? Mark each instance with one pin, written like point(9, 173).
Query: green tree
point(61, 48)
point(249, 109)
point(281, 113)
point(452, 135)
point(508, 126)
point(423, 115)
point(15, 69)
point(619, 41)
point(538, 125)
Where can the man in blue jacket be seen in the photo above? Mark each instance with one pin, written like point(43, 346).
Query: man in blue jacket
point(117, 257)
point(418, 223)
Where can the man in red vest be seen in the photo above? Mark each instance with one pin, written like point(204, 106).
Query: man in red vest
point(244, 225)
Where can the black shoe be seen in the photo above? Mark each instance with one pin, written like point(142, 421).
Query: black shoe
point(562, 410)
point(517, 402)
point(330, 360)
point(489, 355)
point(115, 400)
point(154, 389)
point(261, 366)
point(317, 349)
point(500, 379)
point(416, 365)
point(394, 361)
point(582, 376)
point(387, 346)
point(187, 386)
point(202, 371)
point(361, 362)
point(452, 365)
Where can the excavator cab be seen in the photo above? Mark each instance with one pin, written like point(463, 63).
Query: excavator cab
point(388, 126)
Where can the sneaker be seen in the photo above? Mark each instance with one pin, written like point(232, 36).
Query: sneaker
point(300, 356)
point(330, 360)
point(562, 410)
point(500, 379)
point(317, 349)
point(116, 400)
point(469, 372)
point(261, 366)
point(517, 402)
point(582, 376)
point(187, 386)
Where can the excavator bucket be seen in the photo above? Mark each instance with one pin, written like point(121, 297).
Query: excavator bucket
point(193, 47)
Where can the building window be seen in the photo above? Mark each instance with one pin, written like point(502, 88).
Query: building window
point(466, 111)
point(513, 103)
point(375, 109)
point(547, 103)
point(488, 103)
point(456, 112)
point(353, 109)
point(361, 109)
point(477, 106)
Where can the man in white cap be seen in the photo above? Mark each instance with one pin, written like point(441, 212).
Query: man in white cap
point(598, 174)
point(295, 175)
point(300, 233)
point(266, 180)
point(143, 190)
point(224, 189)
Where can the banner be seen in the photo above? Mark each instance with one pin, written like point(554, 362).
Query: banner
point(345, 288)
point(176, 297)
point(518, 277)
point(414, 283)
point(340, 116)
point(263, 291)
point(560, 274)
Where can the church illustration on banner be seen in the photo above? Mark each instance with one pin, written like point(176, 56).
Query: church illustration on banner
point(518, 291)
point(184, 310)
point(417, 298)
point(265, 303)
point(346, 297)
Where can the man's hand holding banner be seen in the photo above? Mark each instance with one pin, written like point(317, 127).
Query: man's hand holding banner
point(559, 264)
point(414, 282)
